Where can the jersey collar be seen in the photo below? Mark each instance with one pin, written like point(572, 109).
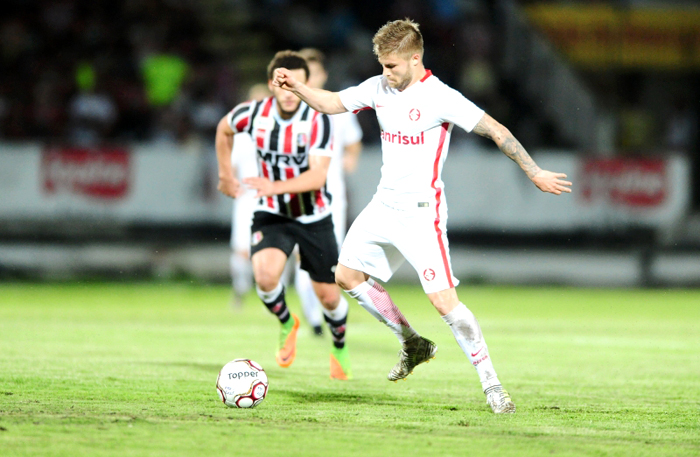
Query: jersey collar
point(428, 74)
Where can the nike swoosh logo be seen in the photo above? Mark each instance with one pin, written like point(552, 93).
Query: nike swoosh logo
point(380, 106)
point(285, 358)
point(477, 352)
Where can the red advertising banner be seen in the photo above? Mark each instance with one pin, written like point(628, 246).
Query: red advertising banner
point(640, 183)
point(102, 173)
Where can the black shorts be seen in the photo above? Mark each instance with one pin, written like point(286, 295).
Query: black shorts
point(318, 248)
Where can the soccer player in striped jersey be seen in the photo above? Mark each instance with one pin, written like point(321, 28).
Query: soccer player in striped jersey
point(347, 146)
point(294, 148)
point(406, 220)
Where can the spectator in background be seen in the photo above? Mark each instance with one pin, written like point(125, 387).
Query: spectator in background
point(92, 111)
point(681, 133)
point(163, 74)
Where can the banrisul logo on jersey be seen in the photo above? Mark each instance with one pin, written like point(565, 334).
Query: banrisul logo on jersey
point(99, 173)
point(399, 138)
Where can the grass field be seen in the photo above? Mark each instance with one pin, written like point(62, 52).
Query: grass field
point(129, 369)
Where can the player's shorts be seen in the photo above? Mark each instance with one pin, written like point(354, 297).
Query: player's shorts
point(318, 249)
point(382, 237)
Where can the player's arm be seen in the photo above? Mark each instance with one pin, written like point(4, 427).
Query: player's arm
point(228, 184)
point(319, 99)
point(545, 180)
point(312, 179)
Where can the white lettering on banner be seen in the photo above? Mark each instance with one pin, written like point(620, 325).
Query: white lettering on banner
point(629, 182)
point(98, 173)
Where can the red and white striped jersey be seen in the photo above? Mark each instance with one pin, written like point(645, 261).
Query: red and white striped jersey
point(283, 148)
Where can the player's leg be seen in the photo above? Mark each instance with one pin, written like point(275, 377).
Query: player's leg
point(241, 269)
point(335, 313)
point(309, 302)
point(371, 296)
point(271, 244)
point(432, 262)
point(318, 252)
point(467, 332)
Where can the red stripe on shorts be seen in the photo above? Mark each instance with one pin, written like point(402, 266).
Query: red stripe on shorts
point(438, 194)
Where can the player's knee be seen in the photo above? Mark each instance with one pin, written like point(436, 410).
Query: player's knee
point(340, 280)
point(329, 299)
point(348, 279)
point(265, 281)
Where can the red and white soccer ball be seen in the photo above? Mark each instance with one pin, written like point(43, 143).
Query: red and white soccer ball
point(242, 383)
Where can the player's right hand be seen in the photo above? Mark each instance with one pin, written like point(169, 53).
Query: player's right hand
point(283, 78)
point(230, 187)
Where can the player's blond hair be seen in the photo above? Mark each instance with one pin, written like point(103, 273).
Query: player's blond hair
point(400, 37)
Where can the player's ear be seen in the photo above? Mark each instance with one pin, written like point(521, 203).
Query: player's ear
point(415, 59)
point(269, 84)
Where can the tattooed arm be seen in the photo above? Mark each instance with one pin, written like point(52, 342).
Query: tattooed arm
point(545, 180)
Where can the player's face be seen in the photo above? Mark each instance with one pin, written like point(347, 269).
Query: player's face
point(398, 70)
point(287, 102)
point(317, 75)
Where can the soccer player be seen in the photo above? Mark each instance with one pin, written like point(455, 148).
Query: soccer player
point(244, 162)
point(293, 148)
point(406, 219)
point(347, 146)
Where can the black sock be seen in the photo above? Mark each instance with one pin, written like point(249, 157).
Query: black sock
point(276, 305)
point(337, 330)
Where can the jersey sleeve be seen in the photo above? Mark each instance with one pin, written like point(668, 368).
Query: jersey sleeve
point(240, 117)
point(360, 97)
point(460, 110)
point(321, 135)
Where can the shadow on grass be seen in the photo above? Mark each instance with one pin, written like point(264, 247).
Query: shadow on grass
point(208, 367)
point(338, 397)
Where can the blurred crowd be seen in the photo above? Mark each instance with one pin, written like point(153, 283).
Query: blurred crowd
point(86, 72)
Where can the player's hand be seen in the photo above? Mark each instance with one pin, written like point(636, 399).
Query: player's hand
point(550, 182)
point(264, 186)
point(230, 187)
point(283, 78)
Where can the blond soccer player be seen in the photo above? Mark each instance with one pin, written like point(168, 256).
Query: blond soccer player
point(406, 219)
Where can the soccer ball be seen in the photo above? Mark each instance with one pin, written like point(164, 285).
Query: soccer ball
point(242, 383)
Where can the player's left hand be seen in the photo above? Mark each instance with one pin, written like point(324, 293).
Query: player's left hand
point(264, 186)
point(546, 181)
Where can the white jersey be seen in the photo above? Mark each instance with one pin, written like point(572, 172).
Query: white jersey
point(416, 125)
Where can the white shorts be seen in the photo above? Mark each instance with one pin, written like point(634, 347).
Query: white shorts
point(382, 237)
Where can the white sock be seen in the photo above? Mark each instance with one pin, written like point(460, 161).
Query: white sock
point(309, 301)
point(268, 297)
point(377, 301)
point(469, 337)
point(241, 274)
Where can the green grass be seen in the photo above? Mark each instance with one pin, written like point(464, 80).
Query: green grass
point(129, 369)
